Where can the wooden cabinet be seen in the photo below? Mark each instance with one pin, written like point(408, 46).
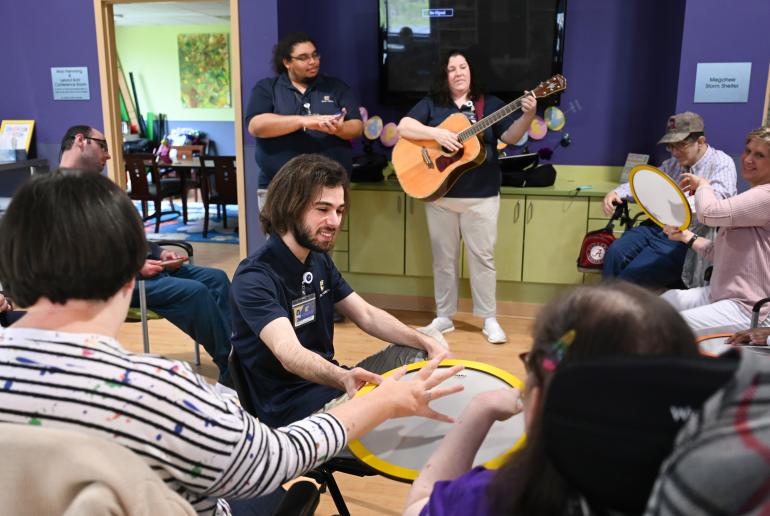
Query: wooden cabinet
point(554, 228)
point(418, 257)
point(376, 232)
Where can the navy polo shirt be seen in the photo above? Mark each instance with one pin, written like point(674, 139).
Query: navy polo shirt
point(263, 288)
point(326, 96)
point(484, 180)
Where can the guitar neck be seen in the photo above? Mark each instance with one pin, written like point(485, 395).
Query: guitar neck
point(488, 121)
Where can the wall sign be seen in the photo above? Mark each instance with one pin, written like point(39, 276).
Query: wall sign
point(70, 83)
point(722, 82)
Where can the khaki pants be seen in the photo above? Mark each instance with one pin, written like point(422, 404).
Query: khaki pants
point(475, 220)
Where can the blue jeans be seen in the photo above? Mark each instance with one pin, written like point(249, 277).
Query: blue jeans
point(197, 301)
point(644, 255)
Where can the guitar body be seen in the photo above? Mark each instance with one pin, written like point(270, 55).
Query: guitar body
point(425, 171)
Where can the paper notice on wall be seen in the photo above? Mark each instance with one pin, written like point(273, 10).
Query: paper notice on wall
point(70, 83)
point(722, 82)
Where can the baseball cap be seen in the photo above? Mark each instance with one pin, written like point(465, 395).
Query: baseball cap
point(680, 126)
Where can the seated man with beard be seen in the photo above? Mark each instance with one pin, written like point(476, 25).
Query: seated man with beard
point(283, 298)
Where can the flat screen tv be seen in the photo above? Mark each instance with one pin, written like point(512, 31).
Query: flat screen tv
point(514, 44)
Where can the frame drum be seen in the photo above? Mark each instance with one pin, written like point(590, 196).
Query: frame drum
point(659, 197)
point(399, 448)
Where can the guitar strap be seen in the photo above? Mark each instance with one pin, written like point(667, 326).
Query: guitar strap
point(478, 107)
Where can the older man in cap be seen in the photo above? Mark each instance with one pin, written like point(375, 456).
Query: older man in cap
point(644, 255)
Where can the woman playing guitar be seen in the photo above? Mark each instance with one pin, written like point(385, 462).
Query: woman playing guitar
point(470, 205)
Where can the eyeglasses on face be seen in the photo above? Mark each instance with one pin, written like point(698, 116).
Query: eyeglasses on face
point(679, 147)
point(304, 58)
point(99, 141)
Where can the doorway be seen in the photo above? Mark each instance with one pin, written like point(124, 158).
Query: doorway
point(109, 77)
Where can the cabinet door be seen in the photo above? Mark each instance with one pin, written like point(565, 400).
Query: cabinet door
point(553, 233)
point(510, 240)
point(376, 232)
point(418, 258)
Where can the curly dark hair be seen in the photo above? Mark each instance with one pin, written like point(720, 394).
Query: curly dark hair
point(282, 50)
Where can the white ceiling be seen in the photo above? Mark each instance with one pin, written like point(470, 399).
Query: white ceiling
point(173, 13)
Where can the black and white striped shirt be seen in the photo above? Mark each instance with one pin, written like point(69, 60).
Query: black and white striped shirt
point(203, 446)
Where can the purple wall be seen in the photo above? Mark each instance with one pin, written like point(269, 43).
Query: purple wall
point(714, 33)
point(259, 32)
point(60, 34)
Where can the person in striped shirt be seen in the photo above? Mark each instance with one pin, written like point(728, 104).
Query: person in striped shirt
point(71, 245)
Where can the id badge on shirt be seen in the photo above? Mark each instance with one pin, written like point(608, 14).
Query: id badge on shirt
point(303, 309)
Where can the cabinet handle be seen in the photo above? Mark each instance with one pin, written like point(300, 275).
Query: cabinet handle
point(398, 203)
point(516, 211)
point(530, 210)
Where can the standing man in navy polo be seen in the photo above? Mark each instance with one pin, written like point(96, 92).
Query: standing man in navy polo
point(300, 111)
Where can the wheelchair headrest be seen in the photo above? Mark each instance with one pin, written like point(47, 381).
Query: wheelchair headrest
point(609, 423)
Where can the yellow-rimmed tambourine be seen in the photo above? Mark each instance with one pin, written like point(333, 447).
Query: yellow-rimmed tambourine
point(659, 197)
point(399, 448)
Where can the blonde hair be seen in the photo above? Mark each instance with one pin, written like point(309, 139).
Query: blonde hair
point(761, 133)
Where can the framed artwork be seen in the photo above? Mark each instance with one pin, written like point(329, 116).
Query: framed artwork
point(19, 132)
point(204, 70)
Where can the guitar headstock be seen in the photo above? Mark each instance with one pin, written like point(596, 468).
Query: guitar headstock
point(553, 85)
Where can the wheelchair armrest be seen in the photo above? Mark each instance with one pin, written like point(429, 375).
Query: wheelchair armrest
point(187, 246)
point(300, 500)
point(755, 311)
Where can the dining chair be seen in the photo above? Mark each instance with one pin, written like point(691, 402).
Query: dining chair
point(219, 186)
point(146, 185)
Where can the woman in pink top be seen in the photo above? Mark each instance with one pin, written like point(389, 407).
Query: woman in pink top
point(740, 252)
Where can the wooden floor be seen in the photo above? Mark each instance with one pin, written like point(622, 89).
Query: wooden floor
point(368, 495)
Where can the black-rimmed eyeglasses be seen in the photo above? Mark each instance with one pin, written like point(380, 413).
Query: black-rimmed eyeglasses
point(102, 143)
point(304, 58)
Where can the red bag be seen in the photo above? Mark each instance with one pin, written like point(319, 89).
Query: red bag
point(596, 243)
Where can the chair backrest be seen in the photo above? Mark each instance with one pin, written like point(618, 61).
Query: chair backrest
point(238, 376)
point(137, 168)
point(188, 152)
point(53, 471)
point(221, 185)
point(610, 423)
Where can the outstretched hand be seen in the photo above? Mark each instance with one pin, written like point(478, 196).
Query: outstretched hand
point(357, 377)
point(412, 397)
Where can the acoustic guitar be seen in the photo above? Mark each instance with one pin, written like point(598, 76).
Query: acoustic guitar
point(427, 171)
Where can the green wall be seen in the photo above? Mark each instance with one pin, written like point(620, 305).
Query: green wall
point(151, 54)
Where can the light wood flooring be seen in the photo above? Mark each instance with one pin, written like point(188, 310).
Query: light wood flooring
point(367, 496)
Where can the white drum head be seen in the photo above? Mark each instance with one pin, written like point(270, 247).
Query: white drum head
point(399, 448)
point(659, 197)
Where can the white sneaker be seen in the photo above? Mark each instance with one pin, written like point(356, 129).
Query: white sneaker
point(493, 331)
point(441, 325)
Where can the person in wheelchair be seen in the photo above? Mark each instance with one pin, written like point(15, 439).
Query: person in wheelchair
point(643, 255)
point(582, 325)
